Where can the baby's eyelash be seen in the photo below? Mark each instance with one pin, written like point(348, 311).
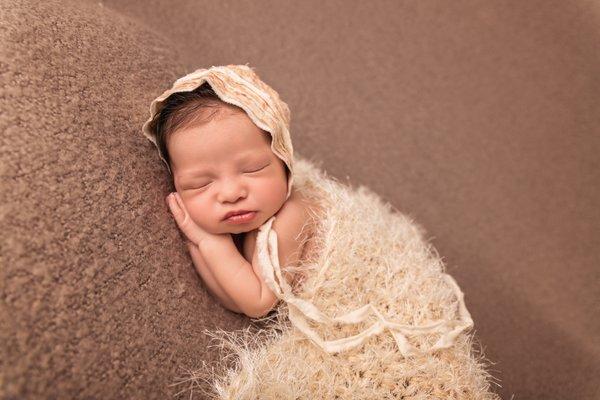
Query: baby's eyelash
point(248, 172)
point(256, 170)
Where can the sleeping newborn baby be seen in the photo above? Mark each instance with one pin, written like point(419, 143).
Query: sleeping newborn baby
point(229, 182)
point(364, 309)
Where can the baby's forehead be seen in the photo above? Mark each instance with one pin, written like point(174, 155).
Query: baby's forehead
point(212, 147)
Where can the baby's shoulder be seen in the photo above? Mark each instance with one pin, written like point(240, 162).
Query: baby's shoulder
point(301, 205)
point(303, 201)
point(298, 208)
point(304, 214)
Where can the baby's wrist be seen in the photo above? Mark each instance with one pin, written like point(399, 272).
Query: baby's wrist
point(211, 242)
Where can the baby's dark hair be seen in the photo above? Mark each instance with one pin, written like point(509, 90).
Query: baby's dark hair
point(182, 109)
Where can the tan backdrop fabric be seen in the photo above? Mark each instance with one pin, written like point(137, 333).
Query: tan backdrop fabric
point(479, 120)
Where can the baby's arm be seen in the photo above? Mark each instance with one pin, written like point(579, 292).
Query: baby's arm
point(241, 280)
point(229, 268)
point(213, 286)
point(233, 273)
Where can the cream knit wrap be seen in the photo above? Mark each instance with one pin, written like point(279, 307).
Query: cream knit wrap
point(371, 278)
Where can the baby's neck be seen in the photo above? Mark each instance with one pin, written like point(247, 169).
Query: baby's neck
point(238, 239)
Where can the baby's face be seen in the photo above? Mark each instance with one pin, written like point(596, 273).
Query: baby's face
point(227, 165)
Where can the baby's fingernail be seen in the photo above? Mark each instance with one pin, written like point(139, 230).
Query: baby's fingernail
point(177, 199)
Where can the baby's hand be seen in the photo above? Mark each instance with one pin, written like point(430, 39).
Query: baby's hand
point(193, 232)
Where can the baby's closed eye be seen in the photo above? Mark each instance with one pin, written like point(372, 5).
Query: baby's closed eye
point(258, 169)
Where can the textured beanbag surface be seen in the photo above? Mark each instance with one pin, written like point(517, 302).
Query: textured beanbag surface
point(98, 297)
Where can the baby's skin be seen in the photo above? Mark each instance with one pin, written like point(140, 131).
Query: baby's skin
point(224, 165)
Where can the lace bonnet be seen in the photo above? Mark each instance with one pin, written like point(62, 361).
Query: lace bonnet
point(238, 85)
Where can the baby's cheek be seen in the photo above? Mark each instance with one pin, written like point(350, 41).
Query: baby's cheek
point(210, 225)
point(198, 213)
point(268, 190)
point(275, 187)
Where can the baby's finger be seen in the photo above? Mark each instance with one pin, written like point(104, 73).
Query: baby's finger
point(181, 207)
point(177, 212)
point(179, 201)
point(184, 221)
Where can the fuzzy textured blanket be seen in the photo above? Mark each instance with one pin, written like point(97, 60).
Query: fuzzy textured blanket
point(375, 316)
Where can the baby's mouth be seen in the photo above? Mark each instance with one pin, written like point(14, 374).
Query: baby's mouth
point(241, 218)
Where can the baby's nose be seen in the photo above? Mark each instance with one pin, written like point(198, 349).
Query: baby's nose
point(232, 191)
